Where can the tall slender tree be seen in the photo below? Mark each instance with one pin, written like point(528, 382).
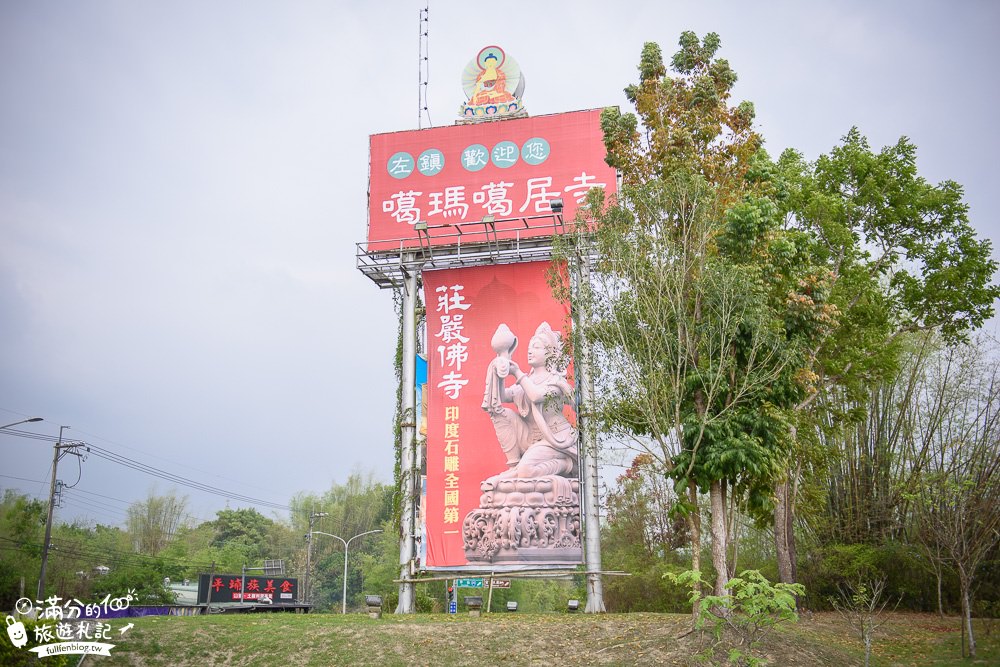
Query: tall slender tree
point(689, 296)
point(153, 523)
point(958, 497)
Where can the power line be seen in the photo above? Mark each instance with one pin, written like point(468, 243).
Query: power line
point(91, 493)
point(86, 551)
point(108, 455)
point(188, 520)
point(138, 466)
point(133, 502)
point(105, 509)
point(87, 503)
point(30, 435)
point(179, 464)
point(23, 479)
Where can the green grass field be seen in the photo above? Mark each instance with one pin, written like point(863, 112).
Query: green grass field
point(518, 639)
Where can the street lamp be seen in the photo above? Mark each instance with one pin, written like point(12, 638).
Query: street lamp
point(23, 421)
point(347, 545)
point(312, 518)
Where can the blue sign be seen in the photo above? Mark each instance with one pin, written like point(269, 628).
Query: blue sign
point(430, 162)
point(400, 165)
point(505, 154)
point(475, 157)
point(535, 150)
point(452, 607)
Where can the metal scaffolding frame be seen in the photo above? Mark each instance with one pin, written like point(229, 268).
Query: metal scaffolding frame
point(398, 263)
point(488, 241)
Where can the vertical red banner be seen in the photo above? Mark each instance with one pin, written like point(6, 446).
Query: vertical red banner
point(502, 459)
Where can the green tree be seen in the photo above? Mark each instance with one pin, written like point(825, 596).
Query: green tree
point(152, 523)
point(22, 525)
point(245, 529)
point(861, 604)
point(145, 580)
point(641, 536)
point(958, 498)
point(376, 561)
point(356, 506)
point(898, 256)
point(701, 346)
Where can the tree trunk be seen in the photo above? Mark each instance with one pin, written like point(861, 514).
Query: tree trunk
point(784, 531)
point(793, 494)
point(782, 547)
point(937, 573)
point(967, 612)
point(719, 539)
point(732, 533)
point(694, 526)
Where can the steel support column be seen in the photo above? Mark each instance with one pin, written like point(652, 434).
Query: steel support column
point(408, 468)
point(588, 450)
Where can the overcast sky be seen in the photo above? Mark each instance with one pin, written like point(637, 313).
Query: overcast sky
point(182, 185)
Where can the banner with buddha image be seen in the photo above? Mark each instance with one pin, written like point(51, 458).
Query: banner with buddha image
point(503, 489)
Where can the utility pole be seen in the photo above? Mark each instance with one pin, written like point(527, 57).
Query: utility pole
point(312, 518)
point(58, 452)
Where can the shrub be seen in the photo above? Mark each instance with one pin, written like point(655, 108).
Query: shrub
point(741, 620)
point(828, 569)
point(862, 606)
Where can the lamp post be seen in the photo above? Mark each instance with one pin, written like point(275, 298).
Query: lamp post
point(23, 421)
point(312, 518)
point(347, 545)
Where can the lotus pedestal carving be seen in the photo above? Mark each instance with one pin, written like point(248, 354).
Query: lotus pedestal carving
point(525, 521)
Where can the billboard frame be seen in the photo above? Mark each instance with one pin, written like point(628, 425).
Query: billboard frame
point(388, 268)
point(398, 264)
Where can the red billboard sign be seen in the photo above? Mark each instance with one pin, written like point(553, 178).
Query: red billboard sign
point(230, 588)
point(509, 170)
point(502, 487)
